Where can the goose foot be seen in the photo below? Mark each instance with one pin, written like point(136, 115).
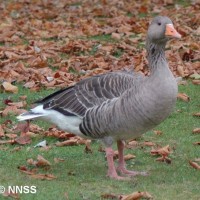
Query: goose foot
point(117, 177)
point(122, 165)
point(112, 173)
point(123, 170)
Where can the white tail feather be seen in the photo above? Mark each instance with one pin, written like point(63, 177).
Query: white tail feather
point(27, 116)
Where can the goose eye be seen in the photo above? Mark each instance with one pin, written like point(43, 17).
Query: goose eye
point(159, 23)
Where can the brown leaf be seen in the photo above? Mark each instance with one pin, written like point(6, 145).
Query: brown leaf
point(157, 132)
point(70, 142)
point(136, 196)
point(164, 151)
point(129, 157)
point(149, 144)
point(2, 134)
point(41, 162)
point(196, 131)
point(23, 98)
point(109, 196)
point(194, 165)
point(132, 144)
point(25, 170)
point(57, 160)
point(20, 104)
point(196, 114)
point(180, 71)
point(11, 194)
point(22, 127)
point(197, 159)
point(196, 82)
point(183, 97)
point(16, 149)
point(31, 162)
point(8, 87)
point(12, 110)
point(116, 36)
point(88, 147)
point(7, 141)
point(196, 143)
point(43, 176)
point(11, 135)
point(23, 140)
point(126, 157)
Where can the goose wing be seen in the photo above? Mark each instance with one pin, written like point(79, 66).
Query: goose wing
point(90, 92)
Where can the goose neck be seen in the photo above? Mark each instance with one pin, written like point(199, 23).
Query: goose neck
point(156, 55)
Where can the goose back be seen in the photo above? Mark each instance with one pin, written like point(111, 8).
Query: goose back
point(90, 92)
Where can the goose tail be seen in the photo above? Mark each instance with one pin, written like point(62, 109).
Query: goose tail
point(29, 115)
point(36, 112)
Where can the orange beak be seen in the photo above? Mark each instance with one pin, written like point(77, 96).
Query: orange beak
point(171, 31)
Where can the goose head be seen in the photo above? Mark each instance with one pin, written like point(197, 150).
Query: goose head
point(161, 30)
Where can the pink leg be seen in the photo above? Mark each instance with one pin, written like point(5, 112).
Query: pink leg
point(112, 173)
point(122, 165)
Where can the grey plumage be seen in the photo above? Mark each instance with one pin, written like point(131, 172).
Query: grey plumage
point(118, 105)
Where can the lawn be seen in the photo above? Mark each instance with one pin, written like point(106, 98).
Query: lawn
point(83, 176)
point(47, 45)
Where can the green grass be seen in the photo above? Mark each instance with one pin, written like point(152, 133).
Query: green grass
point(177, 180)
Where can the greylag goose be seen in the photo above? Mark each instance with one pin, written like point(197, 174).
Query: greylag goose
point(117, 106)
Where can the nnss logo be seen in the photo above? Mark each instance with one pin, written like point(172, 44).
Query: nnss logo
point(22, 189)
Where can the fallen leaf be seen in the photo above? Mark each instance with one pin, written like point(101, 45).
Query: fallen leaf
point(149, 144)
point(41, 162)
point(180, 71)
point(23, 140)
point(136, 196)
point(195, 76)
point(22, 127)
point(196, 82)
point(57, 160)
point(196, 143)
point(164, 152)
point(126, 157)
point(194, 165)
point(129, 157)
point(196, 131)
point(12, 110)
point(183, 97)
point(8, 87)
point(20, 104)
point(116, 36)
point(132, 144)
point(25, 170)
point(88, 147)
point(7, 141)
point(157, 132)
point(2, 134)
point(11, 135)
point(109, 196)
point(43, 176)
point(11, 194)
point(196, 114)
point(197, 159)
point(70, 142)
point(23, 98)
point(16, 149)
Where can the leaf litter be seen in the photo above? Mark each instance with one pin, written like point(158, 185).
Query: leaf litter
point(50, 52)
